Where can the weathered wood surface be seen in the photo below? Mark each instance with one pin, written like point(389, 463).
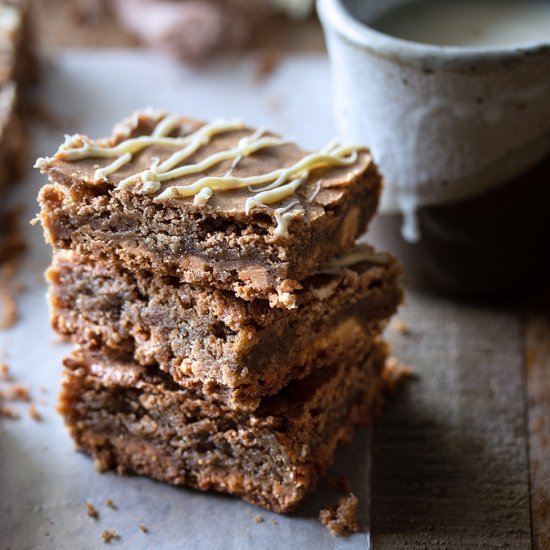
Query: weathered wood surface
point(450, 463)
point(538, 398)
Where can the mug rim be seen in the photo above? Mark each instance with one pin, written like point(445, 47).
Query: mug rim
point(333, 14)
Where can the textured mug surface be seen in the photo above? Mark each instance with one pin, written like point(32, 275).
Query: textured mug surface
point(443, 123)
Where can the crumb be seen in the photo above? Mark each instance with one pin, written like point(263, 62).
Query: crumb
point(394, 373)
point(109, 502)
point(92, 511)
point(275, 522)
point(34, 413)
point(342, 520)
point(268, 61)
point(6, 412)
point(5, 372)
point(109, 535)
point(258, 519)
point(18, 392)
point(401, 327)
point(142, 528)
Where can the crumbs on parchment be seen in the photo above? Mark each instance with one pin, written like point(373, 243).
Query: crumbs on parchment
point(18, 392)
point(34, 413)
point(401, 327)
point(342, 519)
point(395, 373)
point(109, 535)
point(91, 510)
point(5, 372)
point(268, 61)
point(8, 412)
point(142, 528)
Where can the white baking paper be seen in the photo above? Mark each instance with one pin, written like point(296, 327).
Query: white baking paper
point(44, 483)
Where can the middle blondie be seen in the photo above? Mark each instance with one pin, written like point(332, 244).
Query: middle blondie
point(211, 339)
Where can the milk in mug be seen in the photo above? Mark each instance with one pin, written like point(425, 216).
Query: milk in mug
point(485, 23)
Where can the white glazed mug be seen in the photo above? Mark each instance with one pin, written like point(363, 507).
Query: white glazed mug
point(446, 125)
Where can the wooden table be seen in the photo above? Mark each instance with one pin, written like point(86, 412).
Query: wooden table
point(462, 455)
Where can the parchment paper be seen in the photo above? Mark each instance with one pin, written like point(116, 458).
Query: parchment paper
point(44, 483)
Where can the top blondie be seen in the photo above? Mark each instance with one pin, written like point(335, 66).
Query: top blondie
point(214, 204)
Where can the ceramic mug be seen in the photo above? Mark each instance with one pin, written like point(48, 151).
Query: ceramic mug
point(462, 137)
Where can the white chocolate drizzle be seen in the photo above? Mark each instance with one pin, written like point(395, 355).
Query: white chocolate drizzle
point(201, 198)
point(102, 173)
point(247, 139)
point(282, 217)
point(266, 189)
point(316, 191)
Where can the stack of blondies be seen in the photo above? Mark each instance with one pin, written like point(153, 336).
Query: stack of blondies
point(228, 325)
point(18, 69)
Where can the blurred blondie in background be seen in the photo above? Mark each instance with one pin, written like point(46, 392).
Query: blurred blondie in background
point(192, 30)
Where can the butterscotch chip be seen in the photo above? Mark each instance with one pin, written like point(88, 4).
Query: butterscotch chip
point(341, 520)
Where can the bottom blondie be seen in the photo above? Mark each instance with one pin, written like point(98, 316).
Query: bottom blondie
point(136, 419)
